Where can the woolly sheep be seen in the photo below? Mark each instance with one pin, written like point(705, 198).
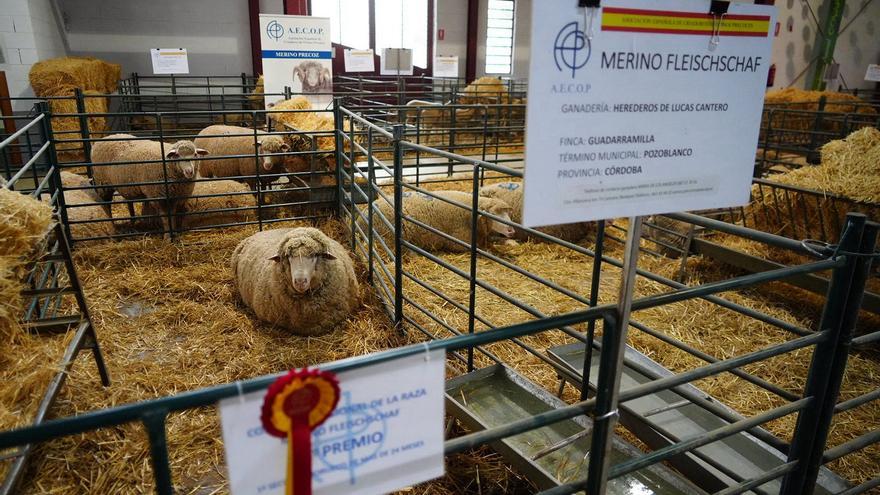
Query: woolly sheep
point(511, 193)
point(229, 140)
point(145, 181)
point(298, 279)
point(445, 217)
point(75, 199)
point(212, 203)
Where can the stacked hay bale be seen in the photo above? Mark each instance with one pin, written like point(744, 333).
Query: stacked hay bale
point(24, 222)
point(849, 172)
point(59, 78)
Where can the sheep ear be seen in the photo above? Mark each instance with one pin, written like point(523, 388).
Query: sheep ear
point(327, 256)
point(275, 258)
point(201, 152)
point(172, 154)
point(259, 144)
point(325, 76)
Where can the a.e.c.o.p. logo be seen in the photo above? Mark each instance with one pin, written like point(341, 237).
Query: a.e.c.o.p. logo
point(275, 30)
point(571, 50)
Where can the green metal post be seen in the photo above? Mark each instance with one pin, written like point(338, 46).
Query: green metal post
point(827, 40)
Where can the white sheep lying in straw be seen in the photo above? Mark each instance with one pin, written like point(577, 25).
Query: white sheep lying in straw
point(511, 193)
point(141, 180)
point(298, 279)
point(74, 199)
point(231, 140)
point(445, 217)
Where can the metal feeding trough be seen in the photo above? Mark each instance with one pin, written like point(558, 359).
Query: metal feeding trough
point(666, 417)
point(497, 395)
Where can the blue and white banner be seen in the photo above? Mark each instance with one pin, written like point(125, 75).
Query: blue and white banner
point(385, 434)
point(297, 53)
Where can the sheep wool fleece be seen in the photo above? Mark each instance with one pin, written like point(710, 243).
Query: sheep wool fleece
point(265, 285)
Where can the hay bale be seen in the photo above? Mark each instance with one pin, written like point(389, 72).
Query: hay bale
point(87, 73)
point(486, 90)
point(68, 128)
point(850, 167)
point(256, 96)
point(24, 222)
point(850, 170)
point(229, 199)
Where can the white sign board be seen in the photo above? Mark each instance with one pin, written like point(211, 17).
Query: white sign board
point(446, 66)
point(396, 62)
point(385, 434)
point(297, 53)
point(648, 116)
point(359, 61)
point(873, 73)
point(169, 61)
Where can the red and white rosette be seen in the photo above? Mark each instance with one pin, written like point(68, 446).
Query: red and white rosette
point(296, 404)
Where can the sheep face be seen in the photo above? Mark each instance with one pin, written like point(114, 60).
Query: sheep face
point(313, 76)
point(502, 228)
point(182, 154)
point(300, 258)
point(270, 147)
point(501, 209)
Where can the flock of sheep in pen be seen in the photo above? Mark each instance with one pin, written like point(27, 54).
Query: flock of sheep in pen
point(296, 278)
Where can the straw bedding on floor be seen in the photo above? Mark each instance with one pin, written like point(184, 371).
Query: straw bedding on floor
point(191, 333)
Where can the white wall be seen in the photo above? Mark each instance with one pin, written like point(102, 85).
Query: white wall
point(28, 33)
point(216, 33)
point(451, 16)
point(856, 47)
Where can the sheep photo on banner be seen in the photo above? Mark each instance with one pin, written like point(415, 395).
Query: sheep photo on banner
point(296, 53)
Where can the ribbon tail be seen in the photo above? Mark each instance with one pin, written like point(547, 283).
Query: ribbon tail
point(299, 458)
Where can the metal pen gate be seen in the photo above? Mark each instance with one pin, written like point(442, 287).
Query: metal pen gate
point(815, 405)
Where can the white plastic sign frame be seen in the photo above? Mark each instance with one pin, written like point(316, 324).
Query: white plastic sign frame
point(657, 111)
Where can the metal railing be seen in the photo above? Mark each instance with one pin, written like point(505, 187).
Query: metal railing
point(389, 274)
point(52, 297)
point(364, 151)
point(793, 133)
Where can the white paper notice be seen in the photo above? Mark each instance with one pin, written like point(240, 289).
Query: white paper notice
point(385, 434)
point(396, 61)
point(446, 66)
point(654, 114)
point(169, 61)
point(873, 73)
point(359, 61)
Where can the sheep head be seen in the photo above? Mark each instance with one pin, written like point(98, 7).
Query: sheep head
point(300, 257)
point(313, 76)
point(269, 146)
point(501, 209)
point(182, 154)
